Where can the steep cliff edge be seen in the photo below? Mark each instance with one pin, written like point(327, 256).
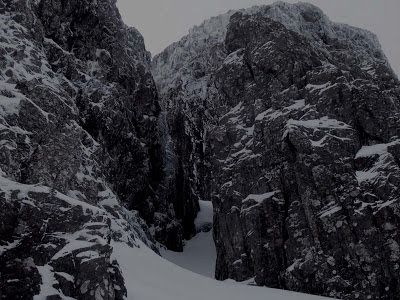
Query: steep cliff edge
point(294, 122)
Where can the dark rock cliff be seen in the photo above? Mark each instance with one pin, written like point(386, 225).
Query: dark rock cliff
point(81, 151)
point(301, 124)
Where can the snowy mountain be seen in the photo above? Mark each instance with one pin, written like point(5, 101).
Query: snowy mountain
point(295, 124)
point(287, 121)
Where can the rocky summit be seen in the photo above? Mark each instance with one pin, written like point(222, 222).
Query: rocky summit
point(289, 123)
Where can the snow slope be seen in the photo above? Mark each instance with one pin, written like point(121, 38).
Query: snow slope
point(150, 277)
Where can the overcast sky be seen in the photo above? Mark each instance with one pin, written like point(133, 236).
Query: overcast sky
point(163, 22)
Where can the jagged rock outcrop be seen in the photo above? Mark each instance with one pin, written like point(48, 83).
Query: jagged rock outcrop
point(80, 150)
point(299, 144)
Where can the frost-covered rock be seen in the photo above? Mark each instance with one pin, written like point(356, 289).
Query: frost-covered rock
point(295, 122)
point(81, 154)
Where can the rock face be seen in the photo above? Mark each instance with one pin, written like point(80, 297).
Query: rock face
point(288, 122)
point(81, 149)
point(294, 122)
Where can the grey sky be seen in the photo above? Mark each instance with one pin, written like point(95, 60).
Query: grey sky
point(163, 22)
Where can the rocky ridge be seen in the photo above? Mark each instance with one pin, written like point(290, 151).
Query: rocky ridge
point(299, 146)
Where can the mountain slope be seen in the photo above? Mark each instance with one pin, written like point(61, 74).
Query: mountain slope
point(80, 144)
point(288, 122)
point(296, 124)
